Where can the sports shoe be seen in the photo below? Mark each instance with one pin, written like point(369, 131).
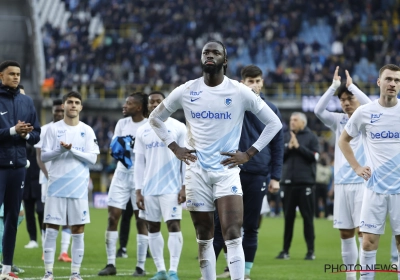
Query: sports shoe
point(17, 270)
point(139, 272)
point(110, 269)
point(121, 253)
point(48, 276)
point(75, 276)
point(173, 275)
point(9, 276)
point(309, 256)
point(161, 275)
point(283, 256)
point(31, 245)
point(247, 277)
point(64, 257)
point(225, 274)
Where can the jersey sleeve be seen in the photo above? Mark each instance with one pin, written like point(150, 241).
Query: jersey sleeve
point(174, 100)
point(251, 101)
point(354, 124)
point(92, 146)
point(118, 129)
point(49, 140)
point(43, 130)
point(139, 144)
point(328, 118)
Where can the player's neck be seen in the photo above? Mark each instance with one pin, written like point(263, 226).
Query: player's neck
point(213, 80)
point(137, 118)
point(386, 101)
point(71, 121)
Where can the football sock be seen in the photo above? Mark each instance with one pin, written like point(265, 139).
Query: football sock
point(65, 240)
point(111, 243)
point(207, 259)
point(367, 261)
point(175, 244)
point(235, 258)
point(142, 245)
point(156, 244)
point(77, 252)
point(349, 254)
point(49, 248)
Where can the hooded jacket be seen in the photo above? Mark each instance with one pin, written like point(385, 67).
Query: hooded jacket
point(299, 165)
point(15, 107)
point(269, 160)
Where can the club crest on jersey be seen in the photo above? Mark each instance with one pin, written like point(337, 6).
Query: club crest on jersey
point(83, 134)
point(228, 102)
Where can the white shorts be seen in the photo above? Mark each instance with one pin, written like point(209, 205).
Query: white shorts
point(122, 188)
point(374, 210)
point(265, 209)
point(44, 192)
point(58, 209)
point(165, 206)
point(204, 187)
point(347, 205)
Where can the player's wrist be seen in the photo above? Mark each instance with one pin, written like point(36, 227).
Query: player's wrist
point(335, 84)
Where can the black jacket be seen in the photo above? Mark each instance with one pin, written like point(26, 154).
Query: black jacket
point(299, 165)
point(269, 160)
point(15, 106)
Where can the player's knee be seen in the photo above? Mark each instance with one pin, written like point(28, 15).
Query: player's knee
point(231, 232)
point(174, 225)
point(112, 222)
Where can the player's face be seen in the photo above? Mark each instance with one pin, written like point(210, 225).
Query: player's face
point(349, 103)
point(389, 83)
point(11, 76)
point(212, 58)
point(72, 107)
point(255, 83)
point(296, 124)
point(131, 107)
point(154, 101)
point(58, 113)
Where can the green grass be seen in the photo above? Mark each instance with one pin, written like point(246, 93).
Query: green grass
point(265, 267)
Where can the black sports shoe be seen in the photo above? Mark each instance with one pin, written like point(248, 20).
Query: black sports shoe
point(309, 256)
point(121, 253)
point(139, 272)
point(283, 256)
point(110, 269)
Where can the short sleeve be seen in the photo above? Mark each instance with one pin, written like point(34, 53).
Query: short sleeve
point(48, 140)
point(353, 125)
point(251, 101)
point(43, 130)
point(117, 130)
point(139, 144)
point(174, 100)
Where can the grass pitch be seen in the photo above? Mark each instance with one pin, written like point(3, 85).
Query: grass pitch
point(327, 246)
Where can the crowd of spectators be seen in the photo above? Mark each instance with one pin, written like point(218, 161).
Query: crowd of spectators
point(144, 43)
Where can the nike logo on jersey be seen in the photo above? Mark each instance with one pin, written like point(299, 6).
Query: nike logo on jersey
point(194, 99)
point(2, 113)
point(375, 117)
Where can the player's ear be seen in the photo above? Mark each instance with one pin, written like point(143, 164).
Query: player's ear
point(378, 82)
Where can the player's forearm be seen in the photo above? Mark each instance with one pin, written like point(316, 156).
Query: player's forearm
point(361, 96)
point(50, 155)
point(156, 120)
point(39, 161)
point(272, 127)
point(320, 108)
point(138, 171)
point(348, 153)
point(89, 158)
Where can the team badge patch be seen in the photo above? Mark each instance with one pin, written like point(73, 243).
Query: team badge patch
point(83, 134)
point(228, 101)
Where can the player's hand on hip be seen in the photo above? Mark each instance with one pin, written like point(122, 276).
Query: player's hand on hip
point(140, 200)
point(235, 158)
point(182, 195)
point(273, 186)
point(183, 153)
point(364, 172)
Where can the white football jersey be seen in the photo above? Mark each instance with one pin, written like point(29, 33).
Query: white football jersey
point(125, 127)
point(162, 173)
point(381, 139)
point(68, 176)
point(214, 117)
point(344, 174)
point(43, 129)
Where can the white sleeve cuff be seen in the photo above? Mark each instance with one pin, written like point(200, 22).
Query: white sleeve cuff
point(13, 131)
point(27, 136)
